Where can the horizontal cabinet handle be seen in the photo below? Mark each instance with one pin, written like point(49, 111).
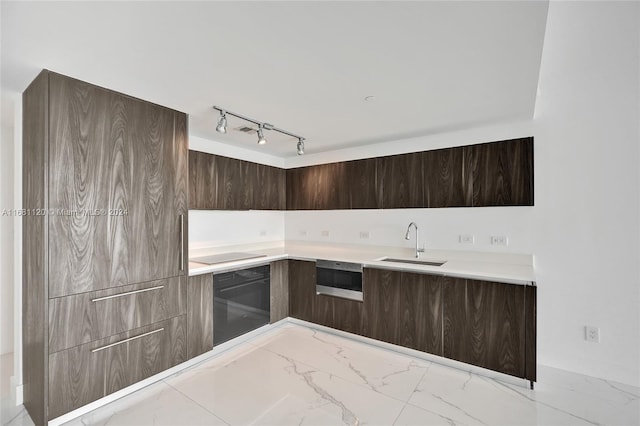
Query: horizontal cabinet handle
point(128, 293)
point(101, 348)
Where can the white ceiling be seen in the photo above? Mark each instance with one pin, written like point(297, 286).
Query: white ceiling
point(305, 67)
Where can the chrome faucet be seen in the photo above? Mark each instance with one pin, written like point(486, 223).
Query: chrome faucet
point(406, 237)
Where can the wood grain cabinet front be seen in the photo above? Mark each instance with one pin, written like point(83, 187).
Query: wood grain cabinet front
point(199, 315)
point(117, 177)
point(109, 256)
point(83, 318)
point(85, 373)
point(302, 289)
point(279, 290)
point(223, 183)
point(404, 309)
point(484, 325)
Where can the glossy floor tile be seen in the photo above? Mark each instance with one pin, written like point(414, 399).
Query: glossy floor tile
point(294, 375)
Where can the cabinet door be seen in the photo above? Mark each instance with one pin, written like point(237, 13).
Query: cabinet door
point(382, 304)
point(89, 181)
point(268, 185)
point(157, 217)
point(502, 173)
point(341, 314)
point(484, 324)
point(279, 291)
point(420, 312)
point(361, 184)
point(199, 315)
point(447, 183)
point(401, 180)
point(302, 289)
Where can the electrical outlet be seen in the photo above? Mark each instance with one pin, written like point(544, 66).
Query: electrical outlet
point(365, 235)
point(263, 233)
point(499, 240)
point(466, 239)
point(302, 233)
point(592, 334)
point(324, 233)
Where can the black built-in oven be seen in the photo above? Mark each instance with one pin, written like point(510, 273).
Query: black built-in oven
point(340, 279)
point(241, 302)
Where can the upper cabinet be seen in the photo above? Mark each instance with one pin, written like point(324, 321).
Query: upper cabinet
point(117, 187)
point(502, 173)
point(490, 174)
point(222, 183)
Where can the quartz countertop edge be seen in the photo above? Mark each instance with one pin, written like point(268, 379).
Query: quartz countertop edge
point(513, 270)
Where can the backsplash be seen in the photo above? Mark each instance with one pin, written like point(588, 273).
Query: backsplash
point(211, 228)
point(439, 228)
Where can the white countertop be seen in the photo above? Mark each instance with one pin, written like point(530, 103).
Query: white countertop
point(501, 267)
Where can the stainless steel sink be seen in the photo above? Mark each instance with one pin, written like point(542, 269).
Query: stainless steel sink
point(415, 261)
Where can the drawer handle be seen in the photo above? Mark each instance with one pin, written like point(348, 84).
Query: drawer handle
point(181, 243)
point(128, 293)
point(101, 348)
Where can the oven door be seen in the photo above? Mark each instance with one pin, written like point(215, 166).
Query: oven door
point(340, 279)
point(241, 302)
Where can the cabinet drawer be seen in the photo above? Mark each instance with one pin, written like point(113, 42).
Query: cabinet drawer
point(84, 318)
point(85, 373)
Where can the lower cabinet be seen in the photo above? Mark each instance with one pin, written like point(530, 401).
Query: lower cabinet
point(302, 289)
point(484, 324)
point(85, 373)
point(487, 324)
point(199, 315)
point(341, 314)
point(279, 291)
point(404, 309)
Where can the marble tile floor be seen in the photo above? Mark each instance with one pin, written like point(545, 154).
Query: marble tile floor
point(294, 375)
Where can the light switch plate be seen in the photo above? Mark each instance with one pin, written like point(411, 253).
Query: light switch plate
point(499, 240)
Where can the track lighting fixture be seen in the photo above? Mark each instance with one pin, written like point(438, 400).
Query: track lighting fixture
point(222, 123)
point(222, 128)
point(261, 138)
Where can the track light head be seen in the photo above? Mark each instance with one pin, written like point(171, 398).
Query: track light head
point(222, 123)
point(261, 139)
point(300, 146)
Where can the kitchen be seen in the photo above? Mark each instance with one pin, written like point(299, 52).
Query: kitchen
point(502, 163)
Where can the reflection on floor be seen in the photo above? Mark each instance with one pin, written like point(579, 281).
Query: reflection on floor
point(294, 375)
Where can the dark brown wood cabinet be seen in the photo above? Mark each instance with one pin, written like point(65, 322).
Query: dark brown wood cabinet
point(341, 314)
point(502, 173)
point(279, 290)
point(484, 325)
point(222, 183)
point(403, 308)
point(447, 182)
point(362, 187)
point(401, 181)
point(318, 187)
point(489, 174)
point(199, 315)
point(302, 289)
point(109, 256)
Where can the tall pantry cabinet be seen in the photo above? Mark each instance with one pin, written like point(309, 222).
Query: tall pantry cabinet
point(104, 242)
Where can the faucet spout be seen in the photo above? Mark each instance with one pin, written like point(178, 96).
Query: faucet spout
point(408, 237)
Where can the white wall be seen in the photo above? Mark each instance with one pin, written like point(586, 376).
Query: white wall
point(6, 232)
point(587, 213)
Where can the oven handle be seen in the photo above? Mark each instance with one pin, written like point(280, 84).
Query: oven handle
point(237, 286)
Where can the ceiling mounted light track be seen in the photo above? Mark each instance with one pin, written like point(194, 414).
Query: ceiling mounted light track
point(222, 128)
